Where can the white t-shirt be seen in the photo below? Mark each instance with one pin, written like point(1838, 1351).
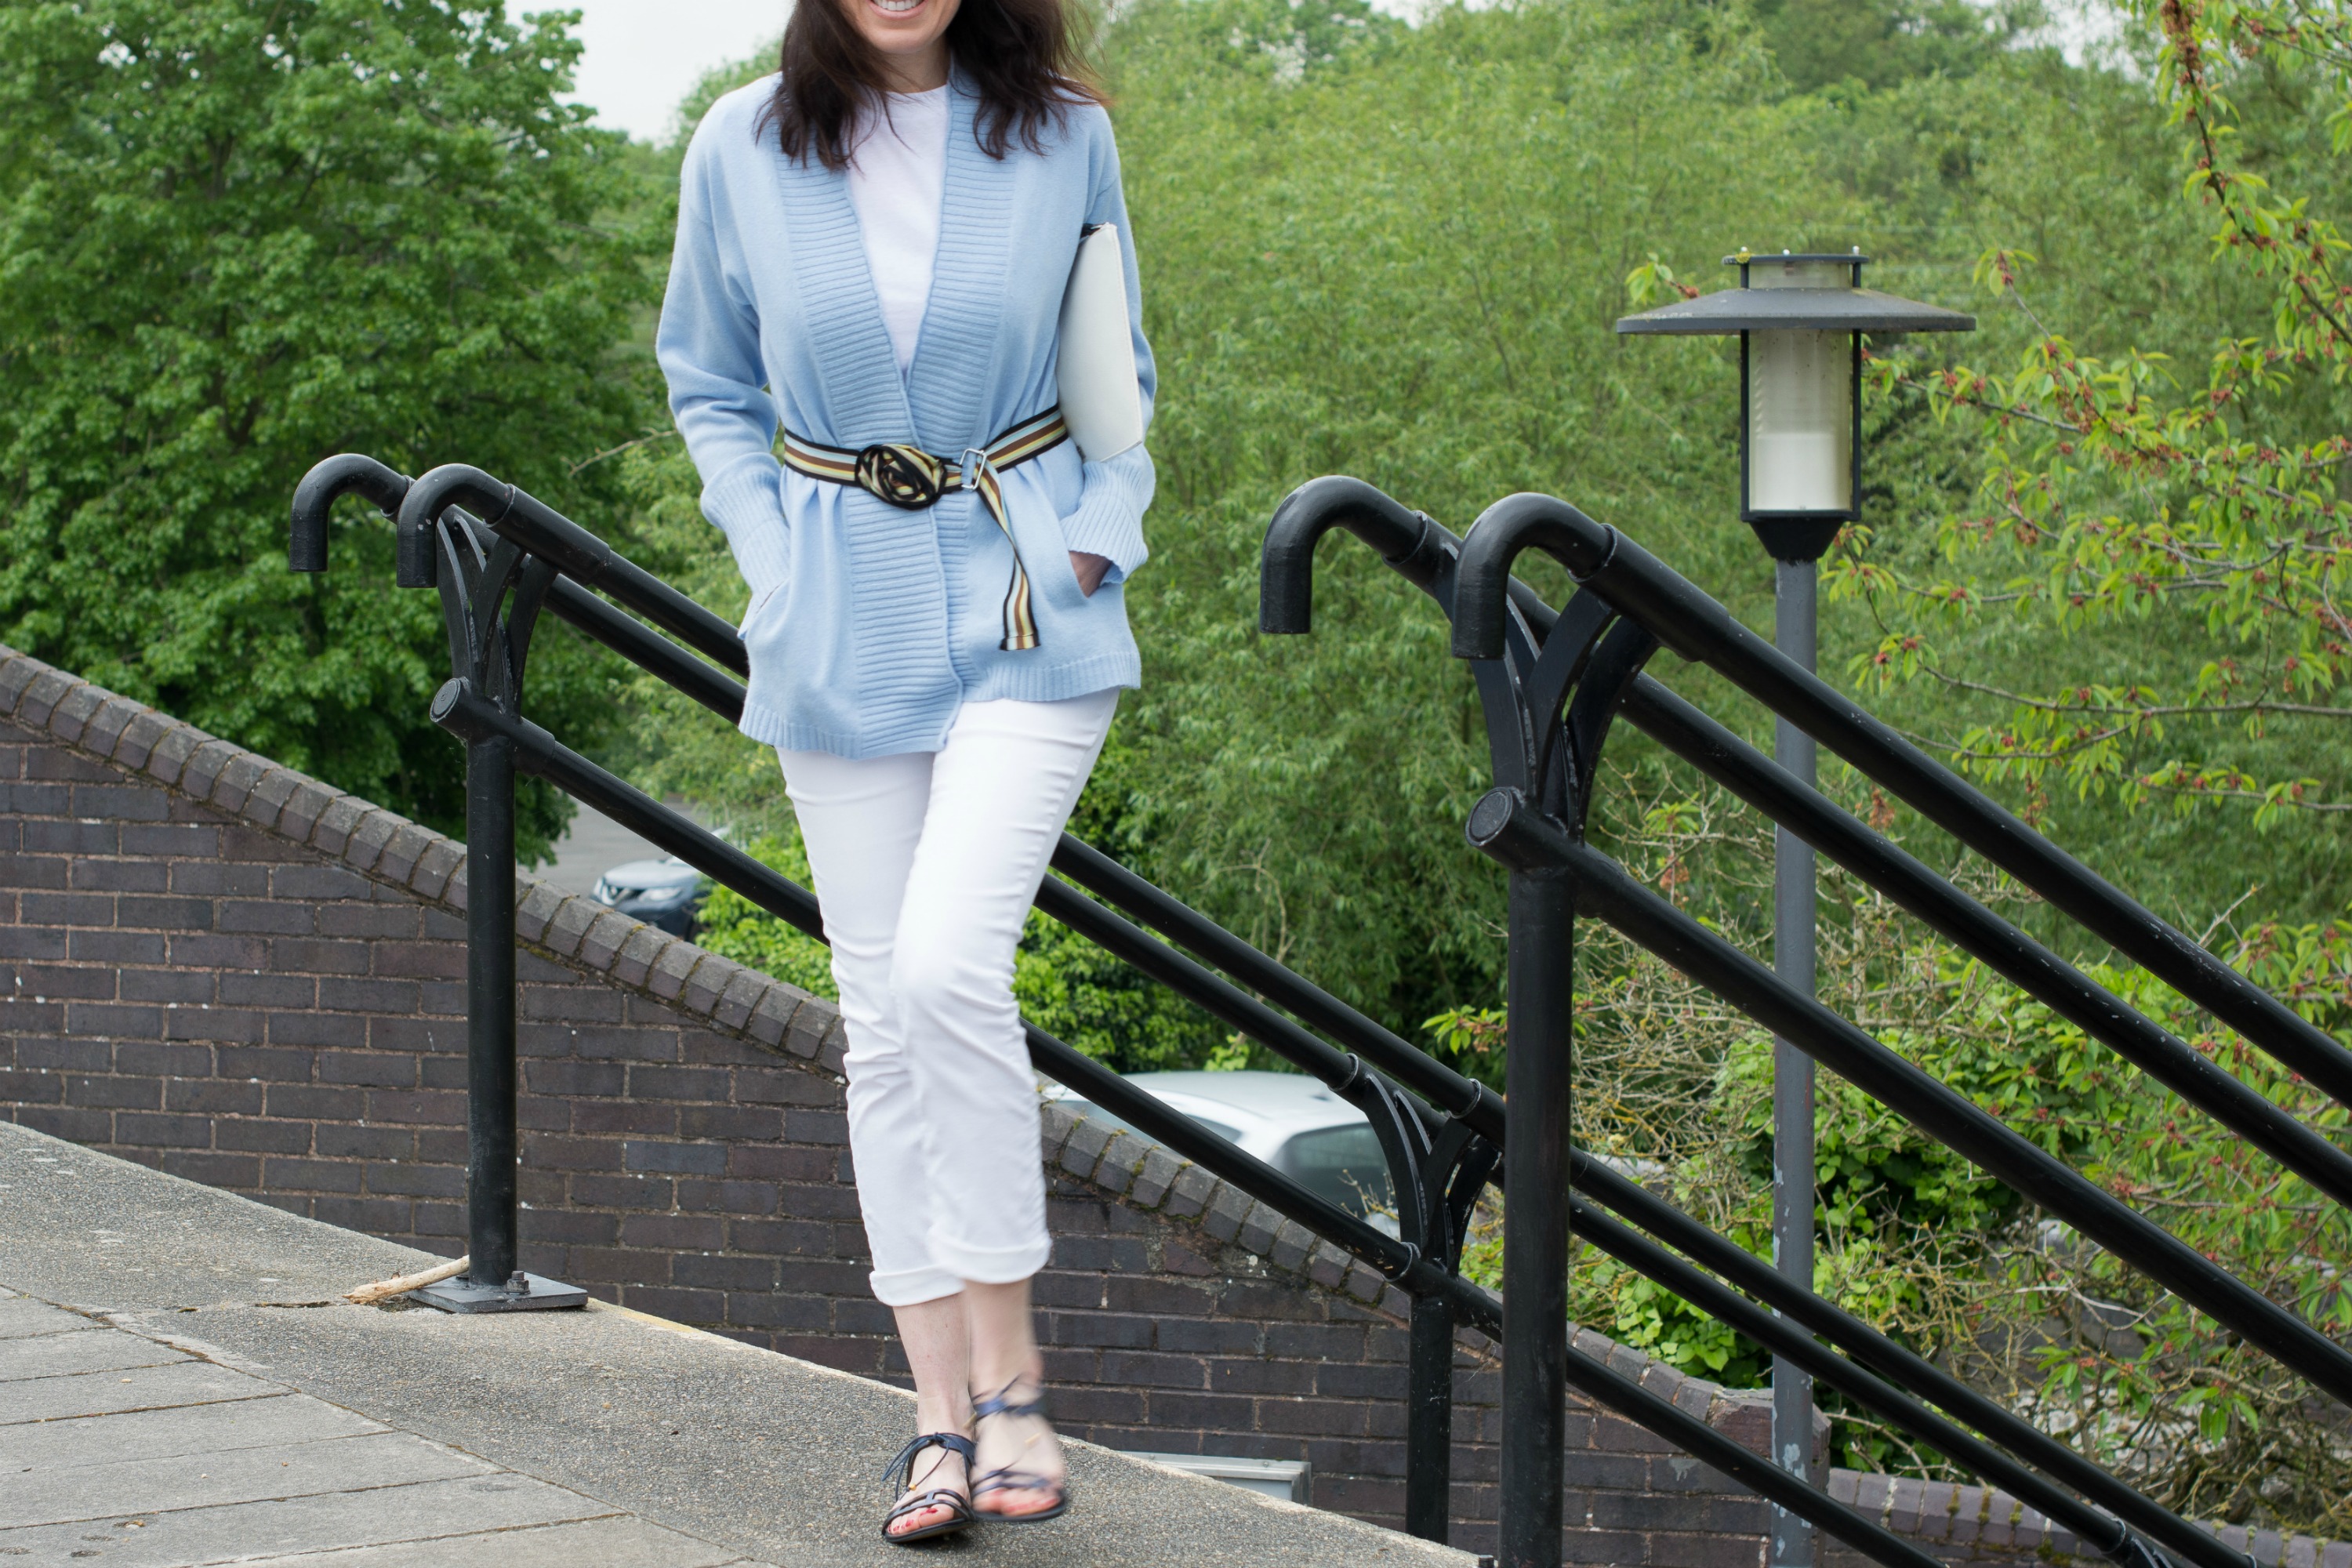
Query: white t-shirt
point(897, 179)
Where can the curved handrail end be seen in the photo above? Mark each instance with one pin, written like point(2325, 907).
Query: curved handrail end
point(451, 484)
point(1287, 566)
point(1483, 577)
point(329, 480)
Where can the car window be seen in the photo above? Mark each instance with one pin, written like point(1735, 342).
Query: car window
point(1341, 1166)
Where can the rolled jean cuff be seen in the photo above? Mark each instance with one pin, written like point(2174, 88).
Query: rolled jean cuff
point(991, 1265)
point(912, 1287)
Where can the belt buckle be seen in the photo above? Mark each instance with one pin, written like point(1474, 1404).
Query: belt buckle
point(905, 476)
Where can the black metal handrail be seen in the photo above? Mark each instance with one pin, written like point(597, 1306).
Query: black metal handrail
point(511, 543)
point(1514, 827)
point(467, 715)
point(1440, 1130)
point(1552, 683)
point(1975, 930)
point(1635, 584)
point(465, 547)
point(1906, 1369)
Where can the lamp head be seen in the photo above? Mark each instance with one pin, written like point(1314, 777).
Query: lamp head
point(1799, 318)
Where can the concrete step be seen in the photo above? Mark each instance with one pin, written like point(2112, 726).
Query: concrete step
point(179, 1384)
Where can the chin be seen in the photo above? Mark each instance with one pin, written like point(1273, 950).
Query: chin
point(902, 29)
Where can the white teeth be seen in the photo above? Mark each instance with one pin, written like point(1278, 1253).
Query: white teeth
point(897, 7)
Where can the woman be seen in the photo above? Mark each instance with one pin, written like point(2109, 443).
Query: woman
point(872, 248)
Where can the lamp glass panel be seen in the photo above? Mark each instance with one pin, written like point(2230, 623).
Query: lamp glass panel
point(1800, 422)
point(1772, 272)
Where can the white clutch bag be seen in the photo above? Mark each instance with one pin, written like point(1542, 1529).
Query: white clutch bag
point(1101, 402)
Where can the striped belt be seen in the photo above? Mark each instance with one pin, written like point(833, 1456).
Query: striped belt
point(911, 478)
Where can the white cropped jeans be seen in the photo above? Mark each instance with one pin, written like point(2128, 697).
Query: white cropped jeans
point(925, 864)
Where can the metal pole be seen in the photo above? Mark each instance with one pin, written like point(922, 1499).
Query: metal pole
point(1795, 632)
point(494, 1280)
point(490, 1012)
point(1429, 1421)
point(1538, 1075)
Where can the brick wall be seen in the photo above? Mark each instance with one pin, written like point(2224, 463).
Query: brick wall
point(224, 969)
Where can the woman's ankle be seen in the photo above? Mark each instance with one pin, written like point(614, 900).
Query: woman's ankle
point(943, 1415)
point(1016, 1381)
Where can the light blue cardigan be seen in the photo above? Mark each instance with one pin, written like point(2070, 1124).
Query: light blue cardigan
point(871, 625)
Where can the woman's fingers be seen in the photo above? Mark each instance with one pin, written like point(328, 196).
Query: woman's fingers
point(1090, 570)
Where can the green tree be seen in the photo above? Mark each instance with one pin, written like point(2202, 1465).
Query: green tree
point(1861, 43)
point(1423, 300)
point(1397, 253)
point(2139, 606)
point(238, 237)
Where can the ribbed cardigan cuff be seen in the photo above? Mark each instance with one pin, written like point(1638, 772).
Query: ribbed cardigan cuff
point(745, 500)
point(1110, 518)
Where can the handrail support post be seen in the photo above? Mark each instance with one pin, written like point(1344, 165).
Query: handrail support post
point(1429, 1420)
point(491, 1217)
point(1539, 1076)
point(494, 1280)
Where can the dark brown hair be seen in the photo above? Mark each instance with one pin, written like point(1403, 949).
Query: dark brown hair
point(1018, 54)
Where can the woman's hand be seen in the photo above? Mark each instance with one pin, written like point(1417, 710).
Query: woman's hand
point(1090, 570)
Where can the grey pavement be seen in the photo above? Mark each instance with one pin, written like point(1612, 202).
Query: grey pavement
point(180, 1385)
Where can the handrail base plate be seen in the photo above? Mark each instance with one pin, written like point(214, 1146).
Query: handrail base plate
point(462, 1295)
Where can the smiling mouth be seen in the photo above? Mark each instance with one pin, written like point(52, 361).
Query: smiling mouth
point(897, 7)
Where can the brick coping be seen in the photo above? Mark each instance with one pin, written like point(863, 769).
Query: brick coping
point(587, 937)
point(806, 1031)
point(1986, 1519)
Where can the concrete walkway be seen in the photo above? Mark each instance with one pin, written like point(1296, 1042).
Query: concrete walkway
point(178, 1386)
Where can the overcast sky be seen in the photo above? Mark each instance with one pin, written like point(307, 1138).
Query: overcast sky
point(642, 57)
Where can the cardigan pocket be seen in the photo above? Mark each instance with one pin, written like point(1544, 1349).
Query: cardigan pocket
point(801, 693)
point(759, 601)
point(1058, 576)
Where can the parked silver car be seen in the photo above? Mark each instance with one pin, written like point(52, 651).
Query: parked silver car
point(664, 893)
point(1288, 1120)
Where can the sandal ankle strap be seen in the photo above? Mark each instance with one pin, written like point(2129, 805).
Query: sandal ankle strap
point(1012, 1479)
point(955, 1443)
point(998, 1404)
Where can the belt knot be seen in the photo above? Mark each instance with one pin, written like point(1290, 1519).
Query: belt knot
point(906, 477)
point(903, 475)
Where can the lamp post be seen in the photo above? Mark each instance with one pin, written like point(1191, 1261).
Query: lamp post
point(1799, 318)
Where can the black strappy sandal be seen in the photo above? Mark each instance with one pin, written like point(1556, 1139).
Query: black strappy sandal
point(959, 1507)
point(1007, 1478)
